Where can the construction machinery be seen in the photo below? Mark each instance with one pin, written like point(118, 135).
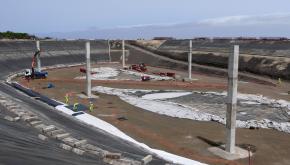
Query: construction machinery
point(35, 73)
point(84, 70)
point(139, 67)
point(145, 78)
point(163, 74)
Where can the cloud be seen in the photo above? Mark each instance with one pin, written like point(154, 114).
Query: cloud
point(242, 20)
point(268, 25)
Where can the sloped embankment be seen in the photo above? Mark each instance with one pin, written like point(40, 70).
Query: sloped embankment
point(270, 58)
point(16, 55)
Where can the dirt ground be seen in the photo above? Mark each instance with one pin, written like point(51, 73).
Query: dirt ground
point(179, 136)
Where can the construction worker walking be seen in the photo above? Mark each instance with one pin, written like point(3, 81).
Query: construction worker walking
point(279, 81)
point(66, 98)
point(91, 108)
point(75, 107)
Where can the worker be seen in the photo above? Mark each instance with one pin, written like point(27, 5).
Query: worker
point(66, 98)
point(75, 107)
point(279, 81)
point(91, 107)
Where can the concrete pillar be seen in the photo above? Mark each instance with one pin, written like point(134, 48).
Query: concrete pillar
point(88, 69)
point(109, 47)
point(190, 59)
point(38, 57)
point(123, 53)
point(232, 100)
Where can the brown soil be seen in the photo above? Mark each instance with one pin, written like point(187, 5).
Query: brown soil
point(179, 136)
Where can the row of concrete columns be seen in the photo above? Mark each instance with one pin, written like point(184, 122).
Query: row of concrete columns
point(88, 64)
point(232, 86)
point(109, 51)
point(233, 62)
point(232, 89)
point(88, 67)
point(190, 60)
point(123, 53)
point(38, 57)
point(88, 70)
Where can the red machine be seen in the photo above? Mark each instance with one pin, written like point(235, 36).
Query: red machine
point(139, 67)
point(33, 58)
point(145, 78)
point(84, 70)
point(159, 73)
point(169, 74)
point(31, 73)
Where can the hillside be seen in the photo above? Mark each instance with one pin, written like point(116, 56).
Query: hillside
point(263, 57)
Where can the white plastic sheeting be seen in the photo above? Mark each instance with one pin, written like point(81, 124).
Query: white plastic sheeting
point(151, 102)
point(98, 123)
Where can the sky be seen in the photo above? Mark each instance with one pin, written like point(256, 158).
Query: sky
point(49, 16)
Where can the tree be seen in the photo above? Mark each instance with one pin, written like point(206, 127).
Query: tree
point(14, 35)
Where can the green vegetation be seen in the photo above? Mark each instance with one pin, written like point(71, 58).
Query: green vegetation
point(14, 35)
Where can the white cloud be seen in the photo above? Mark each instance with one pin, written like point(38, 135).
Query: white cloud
point(270, 19)
point(267, 25)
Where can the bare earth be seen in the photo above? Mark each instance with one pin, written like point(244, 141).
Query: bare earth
point(179, 136)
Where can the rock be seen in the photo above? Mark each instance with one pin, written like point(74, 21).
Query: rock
point(94, 153)
point(65, 147)
point(147, 159)
point(79, 143)
point(40, 126)
point(62, 136)
point(122, 118)
point(113, 155)
point(123, 161)
point(56, 132)
point(9, 118)
point(20, 113)
point(42, 137)
point(29, 118)
point(70, 141)
point(16, 118)
point(78, 151)
point(34, 123)
point(48, 128)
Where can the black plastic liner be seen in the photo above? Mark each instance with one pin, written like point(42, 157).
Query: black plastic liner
point(39, 96)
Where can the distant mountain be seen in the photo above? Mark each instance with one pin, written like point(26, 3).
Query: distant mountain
point(270, 25)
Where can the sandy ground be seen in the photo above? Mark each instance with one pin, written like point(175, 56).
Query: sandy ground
point(179, 136)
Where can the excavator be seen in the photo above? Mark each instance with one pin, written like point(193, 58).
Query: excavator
point(32, 73)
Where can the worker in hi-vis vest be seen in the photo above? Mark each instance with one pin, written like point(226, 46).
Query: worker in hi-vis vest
point(66, 98)
point(91, 108)
point(75, 107)
point(279, 81)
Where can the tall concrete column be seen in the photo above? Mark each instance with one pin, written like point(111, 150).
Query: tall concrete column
point(190, 59)
point(232, 100)
point(109, 47)
point(38, 57)
point(88, 69)
point(123, 53)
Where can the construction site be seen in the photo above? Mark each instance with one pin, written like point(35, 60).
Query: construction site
point(221, 101)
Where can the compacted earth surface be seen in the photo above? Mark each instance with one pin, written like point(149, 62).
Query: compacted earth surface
point(121, 94)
